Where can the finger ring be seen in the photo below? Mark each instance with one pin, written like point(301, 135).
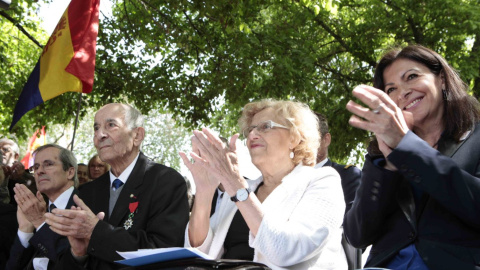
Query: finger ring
point(377, 110)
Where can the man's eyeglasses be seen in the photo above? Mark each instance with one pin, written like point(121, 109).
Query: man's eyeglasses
point(262, 127)
point(47, 164)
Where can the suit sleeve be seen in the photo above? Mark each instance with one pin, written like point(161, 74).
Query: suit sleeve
point(48, 243)
point(19, 255)
point(440, 176)
point(161, 223)
point(44, 243)
point(374, 201)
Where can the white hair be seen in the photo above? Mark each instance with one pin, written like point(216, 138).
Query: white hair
point(133, 117)
point(12, 143)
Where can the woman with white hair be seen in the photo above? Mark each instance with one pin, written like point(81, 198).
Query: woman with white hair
point(290, 217)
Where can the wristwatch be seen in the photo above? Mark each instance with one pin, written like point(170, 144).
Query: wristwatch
point(242, 195)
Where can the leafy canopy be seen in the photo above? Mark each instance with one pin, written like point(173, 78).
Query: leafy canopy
point(203, 61)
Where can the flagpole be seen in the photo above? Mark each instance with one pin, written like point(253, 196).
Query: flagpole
point(76, 118)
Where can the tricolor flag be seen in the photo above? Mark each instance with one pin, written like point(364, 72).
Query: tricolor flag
point(33, 144)
point(67, 63)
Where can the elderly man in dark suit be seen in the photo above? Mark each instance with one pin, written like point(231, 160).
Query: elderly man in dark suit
point(36, 245)
point(350, 176)
point(139, 203)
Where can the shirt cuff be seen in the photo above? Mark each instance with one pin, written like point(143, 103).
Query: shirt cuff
point(39, 227)
point(24, 238)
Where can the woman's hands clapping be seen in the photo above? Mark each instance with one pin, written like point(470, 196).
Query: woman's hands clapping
point(214, 162)
point(204, 180)
point(382, 117)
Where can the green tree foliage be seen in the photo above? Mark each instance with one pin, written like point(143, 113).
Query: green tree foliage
point(203, 60)
point(18, 55)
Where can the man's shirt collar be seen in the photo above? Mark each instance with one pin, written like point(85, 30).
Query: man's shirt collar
point(126, 173)
point(321, 163)
point(62, 200)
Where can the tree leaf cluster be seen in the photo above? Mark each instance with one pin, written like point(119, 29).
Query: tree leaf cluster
point(203, 61)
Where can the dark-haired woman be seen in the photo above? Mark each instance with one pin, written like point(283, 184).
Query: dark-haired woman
point(418, 204)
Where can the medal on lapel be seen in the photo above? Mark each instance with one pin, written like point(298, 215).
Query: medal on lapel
point(132, 207)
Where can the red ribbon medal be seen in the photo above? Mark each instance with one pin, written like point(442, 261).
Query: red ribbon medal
point(129, 222)
point(133, 206)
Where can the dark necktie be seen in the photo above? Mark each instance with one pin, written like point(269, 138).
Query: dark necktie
point(51, 207)
point(116, 184)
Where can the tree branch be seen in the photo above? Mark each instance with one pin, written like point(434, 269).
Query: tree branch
point(4, 14)
point(366, 58)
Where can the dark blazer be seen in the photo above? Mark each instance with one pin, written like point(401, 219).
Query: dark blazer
point(444, 225)
point(8, 231)
point(159, 221)
point(44, 243)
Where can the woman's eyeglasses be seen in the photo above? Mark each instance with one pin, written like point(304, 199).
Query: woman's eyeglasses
point(262, 127)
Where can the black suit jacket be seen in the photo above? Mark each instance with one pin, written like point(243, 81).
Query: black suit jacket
point(159, 221)
point(8, 231)
point(444, 225)
point(44, 243)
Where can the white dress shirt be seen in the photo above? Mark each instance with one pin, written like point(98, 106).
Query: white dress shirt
point(126, 173)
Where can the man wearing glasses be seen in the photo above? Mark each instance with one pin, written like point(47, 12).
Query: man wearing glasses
point(36, 245)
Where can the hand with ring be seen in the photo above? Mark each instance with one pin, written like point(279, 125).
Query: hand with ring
point(377, 110)
point(381, 116)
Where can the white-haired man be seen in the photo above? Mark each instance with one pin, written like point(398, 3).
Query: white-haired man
point(152, 207)
point(10, 151)
point(10, 157)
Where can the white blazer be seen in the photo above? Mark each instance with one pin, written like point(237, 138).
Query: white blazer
point(301, 226)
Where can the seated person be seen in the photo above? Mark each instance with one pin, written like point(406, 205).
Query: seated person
point(82, 173)
point(18, 175)
point(36, 245)
point(290, 217)
point(96, 167)
point(419, 199)
point(138, 204)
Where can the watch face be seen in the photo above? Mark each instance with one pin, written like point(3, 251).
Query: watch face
point(242, 194)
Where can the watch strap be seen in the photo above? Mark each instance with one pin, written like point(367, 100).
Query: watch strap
point(235, 199)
